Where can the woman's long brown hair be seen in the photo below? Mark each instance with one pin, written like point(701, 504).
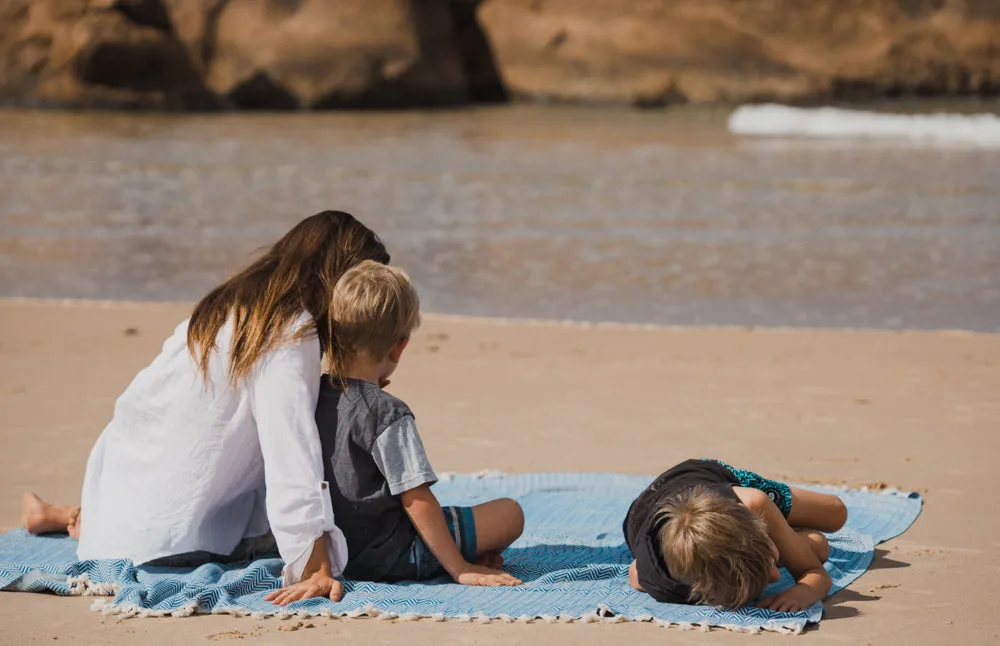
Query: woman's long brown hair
point(296, 275)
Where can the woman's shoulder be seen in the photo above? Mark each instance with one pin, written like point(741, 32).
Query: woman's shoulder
point(294, 357)
point(299, 331)
point(295, 338)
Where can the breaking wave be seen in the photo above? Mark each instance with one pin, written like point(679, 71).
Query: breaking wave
point(982, 130)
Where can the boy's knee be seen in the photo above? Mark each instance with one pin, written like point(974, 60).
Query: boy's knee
point(821, 546)
point(516, 516)
point(836, 515)
point(841, 513)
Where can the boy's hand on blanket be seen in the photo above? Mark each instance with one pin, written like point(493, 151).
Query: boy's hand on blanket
point(318, 585)
point(485, 576)
point(793, 599)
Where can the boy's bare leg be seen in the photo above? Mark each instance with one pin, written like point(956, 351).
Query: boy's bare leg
point(814, 510)
point(817, 543)
point(39, 517)
point(498, 524)
point(490, 559)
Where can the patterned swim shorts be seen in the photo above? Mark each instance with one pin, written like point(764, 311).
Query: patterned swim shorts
point(779, 493)
point(419, 562)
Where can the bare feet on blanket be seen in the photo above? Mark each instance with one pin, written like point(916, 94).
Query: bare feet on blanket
point(490, 559)
point(39, 517)
point(73, 527)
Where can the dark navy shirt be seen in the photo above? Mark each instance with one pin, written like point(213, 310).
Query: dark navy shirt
point(642, 530)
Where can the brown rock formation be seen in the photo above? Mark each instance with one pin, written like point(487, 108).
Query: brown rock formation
point(198, 54)
point(652, 52)
point(80, 53)
point(202, 54)
point(323, 53)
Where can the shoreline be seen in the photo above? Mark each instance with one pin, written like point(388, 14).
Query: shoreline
point(108, 304)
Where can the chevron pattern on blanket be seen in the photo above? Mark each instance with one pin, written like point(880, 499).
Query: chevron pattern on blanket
point(572, 559)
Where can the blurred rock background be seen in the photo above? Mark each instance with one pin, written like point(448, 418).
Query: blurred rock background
point(321, 54)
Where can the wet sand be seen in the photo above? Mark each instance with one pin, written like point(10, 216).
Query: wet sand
point(917, 410)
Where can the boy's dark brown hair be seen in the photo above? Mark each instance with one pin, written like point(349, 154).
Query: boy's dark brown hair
point(716, 546)
point(298, 274)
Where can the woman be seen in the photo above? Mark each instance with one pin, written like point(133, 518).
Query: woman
point(213, 447)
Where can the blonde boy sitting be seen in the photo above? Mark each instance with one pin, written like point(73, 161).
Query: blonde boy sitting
point(379, 475)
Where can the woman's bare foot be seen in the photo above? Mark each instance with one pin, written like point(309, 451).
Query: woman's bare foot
point(73, 528)
point(39, 517)
point(490, 559)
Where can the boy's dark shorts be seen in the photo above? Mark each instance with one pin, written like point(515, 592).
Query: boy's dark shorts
point(418, 563)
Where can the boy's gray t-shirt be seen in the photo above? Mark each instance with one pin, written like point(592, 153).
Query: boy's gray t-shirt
point(372, 453)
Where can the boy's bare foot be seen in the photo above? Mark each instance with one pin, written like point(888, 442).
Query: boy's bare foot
point(490, 559)
point(39, 517)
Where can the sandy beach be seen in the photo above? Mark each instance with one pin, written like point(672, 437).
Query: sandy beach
point(915, 410)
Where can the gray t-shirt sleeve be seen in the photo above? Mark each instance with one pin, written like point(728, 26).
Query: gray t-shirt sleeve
point(399, 455)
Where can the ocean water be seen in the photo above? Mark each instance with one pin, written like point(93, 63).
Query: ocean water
point(541, 212)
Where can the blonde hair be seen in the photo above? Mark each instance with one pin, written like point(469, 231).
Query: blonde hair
point(374, 307)
point(716, 546)
point(296, 275)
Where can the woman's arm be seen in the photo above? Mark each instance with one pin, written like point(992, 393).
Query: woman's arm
point(284, 389)
point(317, 580)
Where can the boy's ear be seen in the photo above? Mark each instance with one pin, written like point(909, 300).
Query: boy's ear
point(397, 350)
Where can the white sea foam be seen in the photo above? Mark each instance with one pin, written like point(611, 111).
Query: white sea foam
point(982, 130)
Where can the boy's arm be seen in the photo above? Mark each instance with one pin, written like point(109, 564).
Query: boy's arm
point(813, 581)
point(399, 454)
point(633, 577)
point(424, 510)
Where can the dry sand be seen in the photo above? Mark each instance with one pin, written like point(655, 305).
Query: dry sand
point(917, 410)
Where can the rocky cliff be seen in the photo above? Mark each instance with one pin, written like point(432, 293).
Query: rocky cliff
point(313, 54)
point(663, 51)
point(203, 54)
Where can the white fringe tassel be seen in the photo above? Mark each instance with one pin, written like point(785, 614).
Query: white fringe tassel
point(602, 615)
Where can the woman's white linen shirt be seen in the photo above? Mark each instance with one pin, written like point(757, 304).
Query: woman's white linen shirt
point(188, 465)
